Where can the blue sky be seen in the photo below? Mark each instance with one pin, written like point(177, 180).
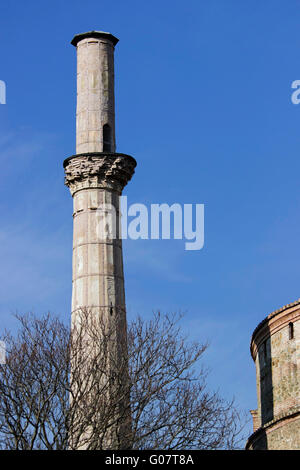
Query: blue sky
point(203, 102)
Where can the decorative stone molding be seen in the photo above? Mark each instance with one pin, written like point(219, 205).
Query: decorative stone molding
point(275, 312)
point(273, 425)
point(98, 170)
point(94, 35)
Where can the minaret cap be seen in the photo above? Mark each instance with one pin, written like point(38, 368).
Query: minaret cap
point(94, 34)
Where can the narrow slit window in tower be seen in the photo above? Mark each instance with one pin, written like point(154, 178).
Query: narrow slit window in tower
point(265, 349)
point(106, 138)
point(291, 330)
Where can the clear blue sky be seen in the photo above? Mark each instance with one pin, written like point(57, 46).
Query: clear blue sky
point(203, 102)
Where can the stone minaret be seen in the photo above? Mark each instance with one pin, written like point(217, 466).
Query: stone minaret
point(96, 176)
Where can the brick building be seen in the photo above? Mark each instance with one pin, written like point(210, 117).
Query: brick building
point(275, 349)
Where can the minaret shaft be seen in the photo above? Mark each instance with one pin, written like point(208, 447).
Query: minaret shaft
point(96, 176)
point(96, 181)
point(97, 262)
point(95, 115)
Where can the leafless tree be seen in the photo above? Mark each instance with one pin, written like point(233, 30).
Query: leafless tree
point(70, 388)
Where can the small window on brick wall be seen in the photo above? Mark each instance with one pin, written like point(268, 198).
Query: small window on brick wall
point(291, 330)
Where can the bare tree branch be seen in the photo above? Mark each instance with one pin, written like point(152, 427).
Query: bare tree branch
point(76, 388)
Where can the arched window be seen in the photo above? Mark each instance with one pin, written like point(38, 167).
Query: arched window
point(106, 138)
point(291, 330)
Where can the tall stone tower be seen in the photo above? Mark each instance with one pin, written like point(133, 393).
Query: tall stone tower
point(96, 176)
point(275, 349)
